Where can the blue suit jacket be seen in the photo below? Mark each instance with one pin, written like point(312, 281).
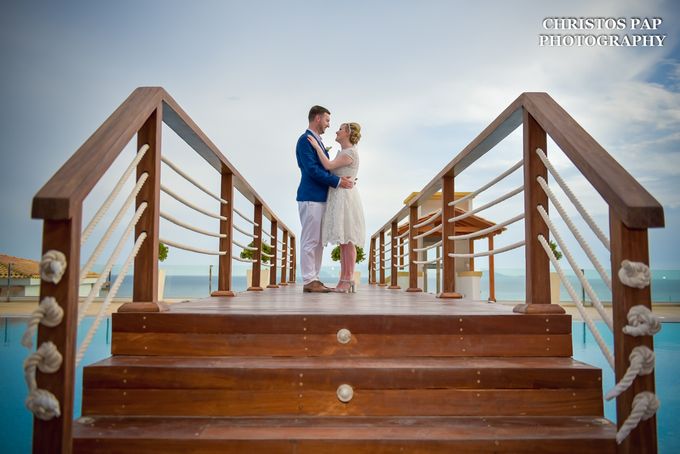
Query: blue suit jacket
point(315, 180)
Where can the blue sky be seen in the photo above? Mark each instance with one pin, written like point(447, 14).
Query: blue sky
point(423, 80)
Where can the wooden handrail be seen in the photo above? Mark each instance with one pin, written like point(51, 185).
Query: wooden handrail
point(64, 193)
point(632, 203)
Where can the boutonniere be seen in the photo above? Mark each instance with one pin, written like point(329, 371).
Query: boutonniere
point(328, 149)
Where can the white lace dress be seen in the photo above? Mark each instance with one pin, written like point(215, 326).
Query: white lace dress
point(343, 221)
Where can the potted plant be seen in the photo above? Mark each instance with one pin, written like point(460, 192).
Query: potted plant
point(162, 255)
point(361, 256)
point(554, 277)
point(264, 271)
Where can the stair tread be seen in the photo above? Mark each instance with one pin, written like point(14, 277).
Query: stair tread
point(264, 362)
point(350, 428)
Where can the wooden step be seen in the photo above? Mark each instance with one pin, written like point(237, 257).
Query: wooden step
point(343, 435)
point(232, 386)
point(313, 334)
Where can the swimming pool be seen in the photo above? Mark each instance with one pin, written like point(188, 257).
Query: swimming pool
point(15, 431)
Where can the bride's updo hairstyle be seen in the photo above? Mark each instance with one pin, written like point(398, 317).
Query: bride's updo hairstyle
point(354, 132)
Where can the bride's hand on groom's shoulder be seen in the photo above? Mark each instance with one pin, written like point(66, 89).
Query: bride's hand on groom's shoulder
point(314, 143)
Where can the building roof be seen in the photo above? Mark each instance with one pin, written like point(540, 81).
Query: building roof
point(24, 268)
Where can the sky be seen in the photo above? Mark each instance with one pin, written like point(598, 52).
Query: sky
point(422, 78)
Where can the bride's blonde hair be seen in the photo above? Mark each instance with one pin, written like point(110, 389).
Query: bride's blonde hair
point(354, 132)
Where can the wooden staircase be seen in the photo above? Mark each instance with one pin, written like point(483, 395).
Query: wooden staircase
point(267, 381)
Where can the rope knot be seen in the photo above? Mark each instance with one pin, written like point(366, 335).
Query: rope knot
point(644, 357)
point(43, 404)
point(645, 405)
point(634, 274)
point(47, 359)
point(642, 322)
point(52, 266)
point(48, 313)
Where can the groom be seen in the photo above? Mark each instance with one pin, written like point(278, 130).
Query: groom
point(311, 198)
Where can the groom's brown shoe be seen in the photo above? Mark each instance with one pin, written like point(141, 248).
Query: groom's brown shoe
point(315, 287)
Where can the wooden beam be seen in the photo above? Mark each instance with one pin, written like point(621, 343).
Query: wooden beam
point(54, 436)
point(630, 244)
point(394, 273)
point(257, 253)
point(537, 262)
point(382, 282)
point(448, 246)
point(145, 278)
point(412, 254)
point(272, 269)
point(293, 260)
point(372, 263)
point(226, 228)
point(492, 272)
point(285, 254)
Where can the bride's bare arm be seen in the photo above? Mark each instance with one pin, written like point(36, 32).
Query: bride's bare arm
point(340, 161)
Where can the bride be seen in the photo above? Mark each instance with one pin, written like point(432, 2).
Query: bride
point(343, 222)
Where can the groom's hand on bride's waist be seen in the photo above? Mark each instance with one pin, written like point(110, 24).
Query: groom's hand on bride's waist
point(346, 182)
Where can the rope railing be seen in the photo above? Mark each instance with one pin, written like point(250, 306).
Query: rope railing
point(427, 248)
point(176, 221)
point(116, 220)
point(575, 231)
point(427, 262)
point(191, 180)
point(190, 248)
point(486, 231)
point(500, 199)
point(244, 217)
point(107, 301)
point(400, 255)
point(429, 232)
point(403, 235)
point(431, 218)
point(109, 263)
point(488, 185)
point(243, 246)
point(191, 205)
point(567, 190)
point(267, 255)
point(250, 234)
point(239, 259)
point(500, 250)
point(577, 301)
point(577, 270)
point(114, 193)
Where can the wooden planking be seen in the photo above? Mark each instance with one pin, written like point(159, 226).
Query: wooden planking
point(327, 373)
point(330, 324)
point(366, 402)
point(178, 344)
point(342, 435)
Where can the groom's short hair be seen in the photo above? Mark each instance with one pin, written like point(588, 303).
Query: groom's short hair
point(317, 110)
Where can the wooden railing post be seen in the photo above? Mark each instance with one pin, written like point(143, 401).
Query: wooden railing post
point(285, 258)
point(145, 279)
point(394, 260)
point(412, 255)
point(257, 253)
point(537, 262)
point(293, 261)
point(492, 271)
point(226, 228)
point(54, 436)
point(272, 261)
point(372, 263)
point(630, 244)
point(401, 253)
point(381, 258)
point(448, 246)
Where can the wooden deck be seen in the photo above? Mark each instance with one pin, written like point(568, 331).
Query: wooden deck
point(369, 299)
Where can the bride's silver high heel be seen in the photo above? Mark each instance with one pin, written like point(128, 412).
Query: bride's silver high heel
point(349, 289)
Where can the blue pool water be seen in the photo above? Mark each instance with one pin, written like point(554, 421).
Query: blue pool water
point(15, 430)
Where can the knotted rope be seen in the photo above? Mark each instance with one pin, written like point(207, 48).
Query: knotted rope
point(49, 313)
point(52, 266)
point(634, 274)
point(42, 403)
point(642, 322)
point(645, 405)
point(641, 363)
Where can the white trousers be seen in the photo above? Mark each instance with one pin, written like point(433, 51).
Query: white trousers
point(311, 248)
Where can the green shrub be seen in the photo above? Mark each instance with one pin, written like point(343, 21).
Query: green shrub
point(335, 254)
point(248, 254)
